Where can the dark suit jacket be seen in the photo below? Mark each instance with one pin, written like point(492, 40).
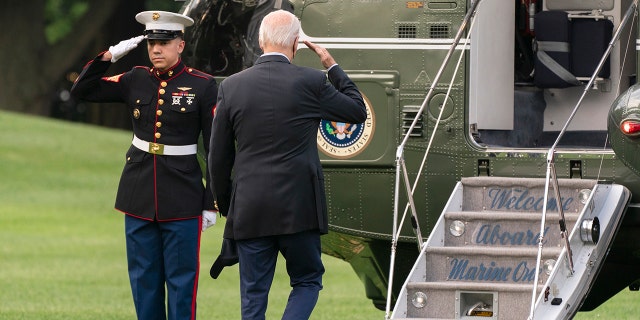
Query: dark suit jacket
point(172, 108)
point(264, 129)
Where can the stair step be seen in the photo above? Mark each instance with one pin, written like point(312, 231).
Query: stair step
point(508, 215)
point(524, 195)
point(450, 300)
point(530, 183)
point(496, 251)
point(472, 286)
point(494, 228)
point(489, 265)
point(481, 255)
point(425, 318)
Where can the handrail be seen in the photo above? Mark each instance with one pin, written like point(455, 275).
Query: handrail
point(551, 176)
point(400, 164)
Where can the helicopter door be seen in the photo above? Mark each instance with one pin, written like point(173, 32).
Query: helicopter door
point(491, 67)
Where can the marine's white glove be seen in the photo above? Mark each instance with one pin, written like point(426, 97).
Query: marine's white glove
point(121, 49)
point(208, 219)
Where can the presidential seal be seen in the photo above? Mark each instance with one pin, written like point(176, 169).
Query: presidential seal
point(341, 140)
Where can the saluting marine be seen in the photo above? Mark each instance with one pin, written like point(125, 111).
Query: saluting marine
point(161, 191)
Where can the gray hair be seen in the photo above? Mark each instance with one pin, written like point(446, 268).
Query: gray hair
point(279, 28)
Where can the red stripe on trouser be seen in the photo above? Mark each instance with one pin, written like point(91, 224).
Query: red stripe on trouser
point(195, 282)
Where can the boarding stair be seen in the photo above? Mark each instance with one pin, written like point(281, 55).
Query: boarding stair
point(479, 261)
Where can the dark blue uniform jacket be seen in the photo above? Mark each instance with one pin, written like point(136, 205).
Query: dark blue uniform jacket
point(170, 108)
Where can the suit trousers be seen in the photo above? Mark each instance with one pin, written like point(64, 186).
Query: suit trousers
point(159, 254)
point(258, 256)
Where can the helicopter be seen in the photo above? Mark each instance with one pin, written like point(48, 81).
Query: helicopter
point(521, 109)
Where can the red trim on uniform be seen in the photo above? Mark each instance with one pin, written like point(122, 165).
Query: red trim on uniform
point(133, 215)
point(155, 174)
point(178, 219)
point(195, 283)
point(86, 65)
point(213, 110)
point(115, 78)
point(147, 219)
point(199, 73)
point(176, 75)
point(173, 68)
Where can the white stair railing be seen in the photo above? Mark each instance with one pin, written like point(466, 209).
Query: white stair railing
point(551, 171)
point(401, 171)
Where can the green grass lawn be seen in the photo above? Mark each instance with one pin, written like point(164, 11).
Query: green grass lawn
point(62, 252)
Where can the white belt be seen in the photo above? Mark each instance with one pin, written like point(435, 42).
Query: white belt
point(164, 149)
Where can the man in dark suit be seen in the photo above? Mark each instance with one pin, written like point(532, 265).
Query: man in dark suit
point(161, 191)
point(265, 128)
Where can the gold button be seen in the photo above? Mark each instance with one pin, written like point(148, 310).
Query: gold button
point(158, 135)
point(160, 101)
point(128, 158)
point(190, 69)
point(163, 84)
point(161, 91)
point(159, 112)
point(138, 101)
point(183, 109)
point(158, 124)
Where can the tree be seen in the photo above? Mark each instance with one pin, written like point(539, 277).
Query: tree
point(32, 67)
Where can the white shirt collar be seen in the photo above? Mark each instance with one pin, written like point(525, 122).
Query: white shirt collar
point(276, 54)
